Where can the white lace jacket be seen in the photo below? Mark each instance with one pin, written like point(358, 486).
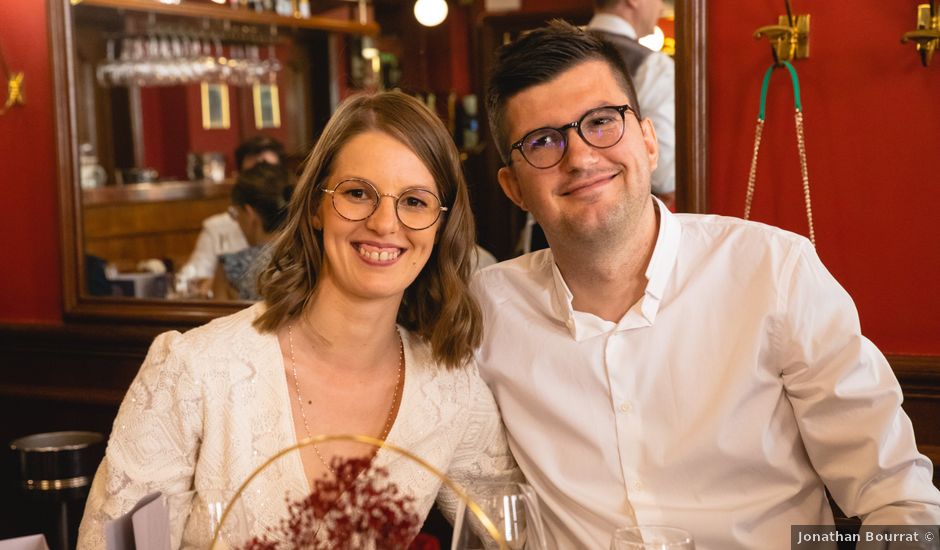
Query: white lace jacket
point(209, 406)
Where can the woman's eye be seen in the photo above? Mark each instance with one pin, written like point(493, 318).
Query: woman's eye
point(414, 202)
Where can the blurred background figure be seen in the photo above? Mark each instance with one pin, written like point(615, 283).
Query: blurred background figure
point(220, 233)
point(623, 23)
point(259, 206)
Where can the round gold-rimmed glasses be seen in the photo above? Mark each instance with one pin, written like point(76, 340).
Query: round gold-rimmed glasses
point(356, 199)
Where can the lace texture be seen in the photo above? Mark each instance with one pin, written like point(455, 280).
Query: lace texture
point(209, 406)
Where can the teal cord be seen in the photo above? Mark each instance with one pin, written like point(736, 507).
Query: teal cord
point(795, 80)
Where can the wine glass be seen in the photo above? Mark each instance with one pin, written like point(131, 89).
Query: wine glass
point(209, 508)
point(651, 537)
point(514, 510)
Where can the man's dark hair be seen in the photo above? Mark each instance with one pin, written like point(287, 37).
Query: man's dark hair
point(539, 57)
point(256, 145)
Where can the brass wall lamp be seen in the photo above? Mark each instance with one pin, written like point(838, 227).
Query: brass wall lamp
point(789, 38)
point(14, 86)
point(927, 35)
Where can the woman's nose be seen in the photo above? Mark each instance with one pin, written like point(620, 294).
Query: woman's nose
point(384, 220)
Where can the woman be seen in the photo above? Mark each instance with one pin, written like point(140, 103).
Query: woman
point(259, 207)
point(366, 327)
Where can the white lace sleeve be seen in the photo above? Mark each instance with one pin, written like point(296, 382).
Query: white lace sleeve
point(154, 442)
point(482, 453)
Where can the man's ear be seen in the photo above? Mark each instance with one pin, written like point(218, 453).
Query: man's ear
point(649, 140)
point(509, 183)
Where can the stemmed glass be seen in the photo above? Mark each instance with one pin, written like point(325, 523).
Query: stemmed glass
point(514, 510)
point(651, 537)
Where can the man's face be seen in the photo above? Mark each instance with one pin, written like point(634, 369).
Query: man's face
point(593, 194)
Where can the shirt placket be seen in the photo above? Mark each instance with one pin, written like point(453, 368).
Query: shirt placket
point(621, 378)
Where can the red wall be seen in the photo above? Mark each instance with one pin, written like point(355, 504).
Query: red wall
point(30, 280)
point(872, 121)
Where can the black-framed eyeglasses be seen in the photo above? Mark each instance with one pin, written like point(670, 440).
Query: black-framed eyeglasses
point(356, 199)
point(600, 128)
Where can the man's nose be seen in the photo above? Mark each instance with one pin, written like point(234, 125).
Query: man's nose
point(579, 154)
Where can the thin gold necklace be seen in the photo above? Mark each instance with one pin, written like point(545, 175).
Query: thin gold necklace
point(300, 400)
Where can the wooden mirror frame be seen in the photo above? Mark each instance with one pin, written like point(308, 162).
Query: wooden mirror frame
point(691, 160)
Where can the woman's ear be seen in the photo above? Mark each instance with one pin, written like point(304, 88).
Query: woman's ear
point(316, 222)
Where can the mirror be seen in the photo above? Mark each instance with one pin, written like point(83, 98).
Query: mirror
point(122, 162)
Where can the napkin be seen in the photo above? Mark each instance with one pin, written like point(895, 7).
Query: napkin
point(32, 542)
point(145, 527)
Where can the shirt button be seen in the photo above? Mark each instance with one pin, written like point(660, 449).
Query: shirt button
point(626, 407)
point(637, 485)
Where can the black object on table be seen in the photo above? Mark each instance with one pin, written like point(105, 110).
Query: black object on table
point(56, 470)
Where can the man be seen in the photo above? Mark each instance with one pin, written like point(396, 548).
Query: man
point(696, 371)
point(622, 23)
point(220, 233)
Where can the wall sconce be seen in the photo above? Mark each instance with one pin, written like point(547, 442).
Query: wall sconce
point(927, 35)
point(14, 86)
point(789, 38)
point(430, 13)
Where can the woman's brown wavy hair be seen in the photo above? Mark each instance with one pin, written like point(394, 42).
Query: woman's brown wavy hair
point(437, 306)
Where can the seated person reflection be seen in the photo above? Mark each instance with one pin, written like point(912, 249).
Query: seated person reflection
point(259, 207)
point(220, 234)
point(366, 326)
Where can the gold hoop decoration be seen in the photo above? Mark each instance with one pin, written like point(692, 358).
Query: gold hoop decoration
point(473, 506)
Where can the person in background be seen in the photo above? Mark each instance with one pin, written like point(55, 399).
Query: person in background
point(622, 23)
point(259, 207)
point(697, 371)
point(366, 327)
point(220, 233)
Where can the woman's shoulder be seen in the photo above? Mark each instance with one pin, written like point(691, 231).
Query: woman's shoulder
point(461, 383)
point(225, 337)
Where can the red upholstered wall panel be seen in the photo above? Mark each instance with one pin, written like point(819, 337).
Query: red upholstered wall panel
point(30, 287)
point(872, 119)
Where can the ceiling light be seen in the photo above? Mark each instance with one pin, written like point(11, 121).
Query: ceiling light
point(430, 13)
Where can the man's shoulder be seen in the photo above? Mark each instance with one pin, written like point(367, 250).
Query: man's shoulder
point(532, 270)
point(714, 231)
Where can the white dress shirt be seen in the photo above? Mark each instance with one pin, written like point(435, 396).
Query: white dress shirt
point(655, 83)
point(220, 235)
point(720, 403)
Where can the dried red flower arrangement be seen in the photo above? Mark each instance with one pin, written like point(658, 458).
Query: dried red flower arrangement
point(358, 508)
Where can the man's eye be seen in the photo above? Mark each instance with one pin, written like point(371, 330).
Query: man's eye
point(600, 121)
point(543, 142)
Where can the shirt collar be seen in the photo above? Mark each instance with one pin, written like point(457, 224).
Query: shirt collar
point(613, 24)
point(658, 272)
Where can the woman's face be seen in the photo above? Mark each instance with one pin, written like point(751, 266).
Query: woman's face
point(377, 257)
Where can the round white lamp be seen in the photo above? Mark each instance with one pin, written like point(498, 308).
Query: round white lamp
point(430, 13)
